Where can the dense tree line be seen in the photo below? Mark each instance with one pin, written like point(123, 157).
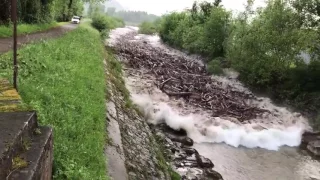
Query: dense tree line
point(40, 11)
point(264, 45)
point(135, 17)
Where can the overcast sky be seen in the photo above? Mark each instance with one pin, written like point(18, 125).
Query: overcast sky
point(159, 7)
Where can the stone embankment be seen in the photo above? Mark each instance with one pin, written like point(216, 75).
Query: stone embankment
point(133, 152)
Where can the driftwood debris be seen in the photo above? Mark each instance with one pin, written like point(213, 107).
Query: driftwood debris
point(177, 76)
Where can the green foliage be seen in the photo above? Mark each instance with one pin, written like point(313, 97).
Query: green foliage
point(263, 50)
point(64, 10)
point(203, 30)
point(266, 53)
point(64, 81)
point(95, 9)
point(101, 22)
point(265, 45)
point(29, 11)
point(214, 67)
point(147, 28)
point(104, 23)
point(43, 11)
point(170, 31)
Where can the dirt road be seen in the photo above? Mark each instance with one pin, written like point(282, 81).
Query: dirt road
point(7, 43)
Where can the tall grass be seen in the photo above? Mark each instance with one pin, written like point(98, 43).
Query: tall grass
point(64, 81)
point(6, 31)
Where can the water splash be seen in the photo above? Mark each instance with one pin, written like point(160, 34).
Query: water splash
point(218, 130)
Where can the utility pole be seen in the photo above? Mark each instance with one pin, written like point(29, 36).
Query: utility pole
point(14, 21)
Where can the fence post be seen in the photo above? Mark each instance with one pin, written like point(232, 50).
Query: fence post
point(14, 21)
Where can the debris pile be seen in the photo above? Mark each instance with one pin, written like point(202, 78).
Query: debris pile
point(180, 77)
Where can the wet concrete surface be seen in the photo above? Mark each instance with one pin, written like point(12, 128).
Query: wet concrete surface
point(6, 44)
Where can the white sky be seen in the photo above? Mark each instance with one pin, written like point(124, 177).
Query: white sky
point(159, 7)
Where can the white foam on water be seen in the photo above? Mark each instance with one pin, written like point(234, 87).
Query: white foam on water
point(217, 130)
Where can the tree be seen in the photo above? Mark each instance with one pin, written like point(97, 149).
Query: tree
point(111, 11)
point(308, 11)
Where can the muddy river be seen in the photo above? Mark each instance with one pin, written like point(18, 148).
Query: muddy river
point(264, 148)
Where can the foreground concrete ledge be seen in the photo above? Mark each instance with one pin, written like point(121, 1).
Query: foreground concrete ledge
point(116, 160)
point(26, 149)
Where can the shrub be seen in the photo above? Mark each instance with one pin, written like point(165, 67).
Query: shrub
point(147, 28)
point(100, 22)
point(168, 31)
point(104, 23)
point(199, 31)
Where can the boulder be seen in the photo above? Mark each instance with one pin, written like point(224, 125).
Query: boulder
point(314, 147)
point(212, 174)
point(204, 162)
point(182, 139)
point(308, 137)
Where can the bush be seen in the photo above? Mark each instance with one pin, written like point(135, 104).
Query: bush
point(104, 23)
point(214, 67)
point(169, 31)
point(201, 31)
point(147, 28)
point(100, 22)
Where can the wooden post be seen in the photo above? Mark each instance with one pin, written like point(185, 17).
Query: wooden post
point(14, 21)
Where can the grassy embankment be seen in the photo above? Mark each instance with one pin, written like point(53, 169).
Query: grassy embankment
point(63, 79)
point(6, 31)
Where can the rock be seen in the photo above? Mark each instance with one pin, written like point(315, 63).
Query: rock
point(308, 134)
point(204, 162)
point(184, 140)
point(167, 129)
point(212, 174)
point(192, 158)
point(180, 156)
point(190, 151)
point(193, 174)
point(185, 163)
point(314, 147)
point(308, 137)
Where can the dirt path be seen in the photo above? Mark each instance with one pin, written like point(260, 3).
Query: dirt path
point(7, 43)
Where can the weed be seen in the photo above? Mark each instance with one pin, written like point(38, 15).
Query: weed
point(19, 163)
point(26, 144)
point(37, 131)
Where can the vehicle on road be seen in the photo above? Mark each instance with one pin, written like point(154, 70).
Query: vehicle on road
point(75, 20)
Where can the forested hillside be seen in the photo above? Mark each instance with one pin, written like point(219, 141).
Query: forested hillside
point(132, 16)
point(42, 11)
